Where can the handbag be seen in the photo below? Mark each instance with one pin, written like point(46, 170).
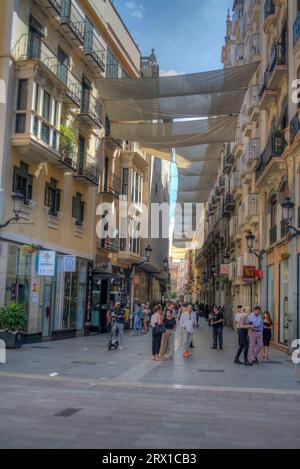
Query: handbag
point(159, 329)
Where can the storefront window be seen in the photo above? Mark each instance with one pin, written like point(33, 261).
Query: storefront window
point(270, 297)
point(18, 276)
point(75, 298)
point(284, 304)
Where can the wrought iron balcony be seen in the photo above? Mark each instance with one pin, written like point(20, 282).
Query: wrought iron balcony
point(52, 6)
point(91, 111)
point(296, 29)
point(72, 22)
point(273, 235)
point(228, 205)
point(294, 127)
point(228, 162)
point(94, 50)
point(88, 170)
point(222, 183)
point(68, 152)
point(274, 149)
point(110, 183)
point(32, 47)
point(110, 244)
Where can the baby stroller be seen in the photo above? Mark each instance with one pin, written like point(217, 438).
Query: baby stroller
point(113, 340)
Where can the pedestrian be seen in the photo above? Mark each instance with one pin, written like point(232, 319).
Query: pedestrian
point(243, 328)
point(118, 319)
point(267, 335)
point(188, 324)
point(217, 323)
point(147, 317)
point(137, 321)
point(158, 329)
point(256, 334)
point(167, 347)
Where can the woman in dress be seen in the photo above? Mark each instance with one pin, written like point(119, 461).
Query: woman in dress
point(167, 347)
point(267, 335)
point(158, 329)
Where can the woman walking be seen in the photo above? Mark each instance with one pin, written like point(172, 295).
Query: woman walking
point(267, 335)
point(168, 339)
point(158, 329)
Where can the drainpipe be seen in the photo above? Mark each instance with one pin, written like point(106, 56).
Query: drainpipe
point(6, 74)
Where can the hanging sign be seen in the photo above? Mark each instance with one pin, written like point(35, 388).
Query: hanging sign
point(224, 270)
point(46, 265)
point(69, 264)
point(249, 273)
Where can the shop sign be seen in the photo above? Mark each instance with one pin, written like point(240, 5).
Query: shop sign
point(224, 270)
point(69, 264)
point(102, 264)
point(46, 265)
point(259, 274)
point(249, 273)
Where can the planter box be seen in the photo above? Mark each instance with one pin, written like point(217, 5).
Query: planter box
point(12, 340)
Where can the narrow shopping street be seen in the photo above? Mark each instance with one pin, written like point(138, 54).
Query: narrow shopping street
point(76, 394)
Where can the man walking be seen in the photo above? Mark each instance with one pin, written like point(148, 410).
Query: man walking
point(217, 322)
point(243, 327)
point(256, 334)
point(118, 318)
point(188, 324)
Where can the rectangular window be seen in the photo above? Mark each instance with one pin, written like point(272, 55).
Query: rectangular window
point(46, 106)
point(125, 182)
point(22, 182)
point(22, 95)
point(36, 97)
point(112, 66)
point(78, 209)
point(52, 197)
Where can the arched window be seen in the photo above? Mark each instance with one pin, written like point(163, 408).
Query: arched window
point(273, 210)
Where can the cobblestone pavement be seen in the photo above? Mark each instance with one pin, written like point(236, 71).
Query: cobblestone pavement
point(76, 394)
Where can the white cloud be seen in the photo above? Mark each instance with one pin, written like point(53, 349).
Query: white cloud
point(137, 10)
point(171, 73)
point(130, 5)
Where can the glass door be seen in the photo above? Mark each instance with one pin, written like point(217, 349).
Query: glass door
point(36, 34)
point(81, 154)
point(46, 306)
point(284, 304)
point(62, 66)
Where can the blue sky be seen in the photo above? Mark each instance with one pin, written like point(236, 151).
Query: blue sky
point(187, 34)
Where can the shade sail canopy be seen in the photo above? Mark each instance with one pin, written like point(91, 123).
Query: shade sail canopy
point(216, 104)
point(216, 81)
point(170, 135)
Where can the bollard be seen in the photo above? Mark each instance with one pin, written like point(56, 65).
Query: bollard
point(2, 352)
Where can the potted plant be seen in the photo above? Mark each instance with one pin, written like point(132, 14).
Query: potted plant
point(29, 248)
point(285, 255)
point(12, 324)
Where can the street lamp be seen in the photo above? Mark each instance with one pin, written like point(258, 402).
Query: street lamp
point(18, 200)
point(250, 238)
point(288, 212)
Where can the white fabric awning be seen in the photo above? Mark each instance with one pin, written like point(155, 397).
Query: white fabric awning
point(178, 134)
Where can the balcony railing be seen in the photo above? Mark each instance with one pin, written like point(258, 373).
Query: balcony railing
point(228, 162)
point(278, 57)
point(91, 111)
point(252, 206)
point(252, 150)
point(110, 244)
point(94, 49)
point(273, 235)
point(228, 205)
point(296, 28)
point(110, 183)
point(274, 149)
point(235, 182)
point(73, 22)
point(88, 170)
point(269, 8)
point(32, 47)
point(294, 127)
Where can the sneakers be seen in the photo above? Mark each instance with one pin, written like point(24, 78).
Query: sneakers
point(237, 361)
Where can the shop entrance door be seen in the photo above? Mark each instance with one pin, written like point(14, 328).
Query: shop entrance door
point(46, 307)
